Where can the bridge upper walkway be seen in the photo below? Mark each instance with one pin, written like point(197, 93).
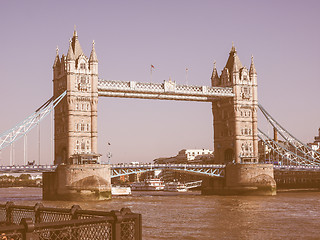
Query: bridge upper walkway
point(167, 91)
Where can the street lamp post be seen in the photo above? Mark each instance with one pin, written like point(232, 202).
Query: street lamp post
point(109, 155)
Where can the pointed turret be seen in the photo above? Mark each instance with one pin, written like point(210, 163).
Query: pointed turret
point(252, 67)
point(70, 54)
point(233, 64)
point(56, 60)
point(93, 55)
point(215, 80)
point(76, 44)
point(93, 61)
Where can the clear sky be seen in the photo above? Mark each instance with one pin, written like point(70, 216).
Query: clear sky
point(283, 36)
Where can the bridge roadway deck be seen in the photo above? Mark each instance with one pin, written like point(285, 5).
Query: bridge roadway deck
point(215, 170)
point(166, 91)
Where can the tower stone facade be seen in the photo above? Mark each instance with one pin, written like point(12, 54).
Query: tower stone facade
point(76, 114)
point(235, 119)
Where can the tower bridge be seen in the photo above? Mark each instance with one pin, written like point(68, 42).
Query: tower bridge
point(233, 94)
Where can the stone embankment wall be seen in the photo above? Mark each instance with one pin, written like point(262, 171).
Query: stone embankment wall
point(293, 179)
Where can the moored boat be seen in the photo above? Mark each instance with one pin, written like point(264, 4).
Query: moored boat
point(120, 191)
point(153, 184)
point(175, 187)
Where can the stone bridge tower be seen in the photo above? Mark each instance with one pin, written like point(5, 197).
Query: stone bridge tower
point(76, 115)
point(235, 134)
point(235, 119)
point(78, 176)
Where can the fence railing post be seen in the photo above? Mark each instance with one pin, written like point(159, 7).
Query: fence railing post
point(37, 212)
point(74, 211)
point(9, 208)
point(137, 222)
point(138, 227)
point(116, 226)
point(28, 233)
point(74, 215)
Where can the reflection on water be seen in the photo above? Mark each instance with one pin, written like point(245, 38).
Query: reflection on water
point(193, 216)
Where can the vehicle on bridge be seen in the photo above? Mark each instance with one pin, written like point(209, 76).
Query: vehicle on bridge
point(31, 163)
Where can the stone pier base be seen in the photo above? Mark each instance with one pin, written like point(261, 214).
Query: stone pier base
point(242, 179)
point(78, 182)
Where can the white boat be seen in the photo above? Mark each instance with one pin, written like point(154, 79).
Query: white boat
point(120, 191)
point(175, 187)
point(153, 184)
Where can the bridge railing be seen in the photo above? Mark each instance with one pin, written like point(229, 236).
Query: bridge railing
point(39, 222)
point(150, 165)
point(213, 170)
point(27, 168)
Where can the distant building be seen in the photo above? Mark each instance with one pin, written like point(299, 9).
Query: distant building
point(316, 144)
point(191, 154)
point(268, 155)
point(188, 156)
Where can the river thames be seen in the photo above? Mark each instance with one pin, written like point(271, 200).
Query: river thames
point(289, 215)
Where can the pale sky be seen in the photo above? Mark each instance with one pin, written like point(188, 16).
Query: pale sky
point(283, 36)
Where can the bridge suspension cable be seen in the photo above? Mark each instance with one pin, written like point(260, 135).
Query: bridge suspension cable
point(285, 153)
point(297, 145)
point(30, 122)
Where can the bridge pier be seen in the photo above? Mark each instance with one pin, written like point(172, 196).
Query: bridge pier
point(242, 179)
point(77, 182)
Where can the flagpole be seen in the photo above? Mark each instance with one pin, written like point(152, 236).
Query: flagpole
point(151, 66)
point(187, 76)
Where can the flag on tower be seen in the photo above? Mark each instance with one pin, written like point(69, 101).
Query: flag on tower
point(152, 67)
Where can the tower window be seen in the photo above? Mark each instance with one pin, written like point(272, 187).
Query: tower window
point(82, 65)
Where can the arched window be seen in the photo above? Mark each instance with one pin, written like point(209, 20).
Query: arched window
point(88, 146)
point(83, 146)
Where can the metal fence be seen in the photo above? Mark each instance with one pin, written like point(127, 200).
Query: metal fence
point(44, 223)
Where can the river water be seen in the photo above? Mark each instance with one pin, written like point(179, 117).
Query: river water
point(289, 215)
